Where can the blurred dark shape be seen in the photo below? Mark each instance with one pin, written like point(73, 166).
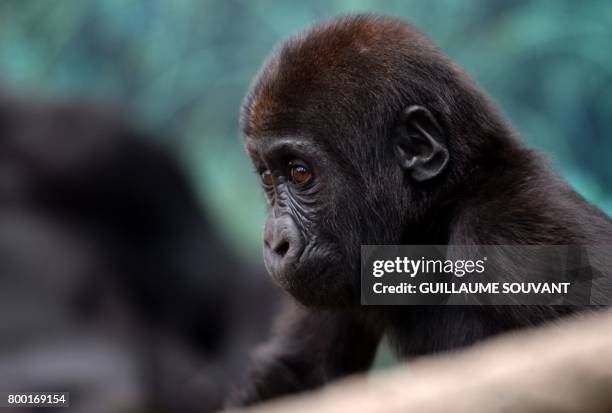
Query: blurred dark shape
point(113, 285)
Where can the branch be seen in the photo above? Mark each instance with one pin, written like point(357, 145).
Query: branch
point(563, 367)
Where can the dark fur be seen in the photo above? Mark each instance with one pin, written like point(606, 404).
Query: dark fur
point(341, 87)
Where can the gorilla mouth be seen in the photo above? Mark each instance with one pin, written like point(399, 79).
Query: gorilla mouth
point(312, 276)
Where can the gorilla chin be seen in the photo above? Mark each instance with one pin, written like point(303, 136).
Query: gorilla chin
point(311, 278)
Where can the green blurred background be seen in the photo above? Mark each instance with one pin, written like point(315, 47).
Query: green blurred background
point(182, 67)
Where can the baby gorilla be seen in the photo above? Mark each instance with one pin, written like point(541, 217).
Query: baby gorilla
point(365, 133)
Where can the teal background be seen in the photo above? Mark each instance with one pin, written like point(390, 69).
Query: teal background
point(182, 67)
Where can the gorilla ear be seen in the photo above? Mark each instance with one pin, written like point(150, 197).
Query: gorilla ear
point(420, 144)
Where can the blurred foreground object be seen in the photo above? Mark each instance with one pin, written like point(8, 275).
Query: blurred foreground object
point(563, 367)
point(113, 285)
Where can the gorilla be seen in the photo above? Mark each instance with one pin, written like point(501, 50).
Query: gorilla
point(364, 133)
point(115, 285)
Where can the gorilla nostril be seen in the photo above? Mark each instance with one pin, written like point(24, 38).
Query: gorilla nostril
point(282, 248)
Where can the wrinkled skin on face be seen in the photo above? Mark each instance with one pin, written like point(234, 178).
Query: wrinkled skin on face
point(314, 228)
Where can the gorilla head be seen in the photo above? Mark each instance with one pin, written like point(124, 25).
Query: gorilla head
point(359, 128)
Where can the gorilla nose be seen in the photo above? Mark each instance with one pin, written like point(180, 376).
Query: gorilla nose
point(280, 247)
point(282, 240)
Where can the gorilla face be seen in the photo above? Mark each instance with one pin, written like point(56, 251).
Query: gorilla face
point(303, 232)
point(327, 196)
point(321, 209)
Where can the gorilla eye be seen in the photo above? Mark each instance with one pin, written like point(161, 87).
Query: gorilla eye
point(300, 174)
point(266, 178)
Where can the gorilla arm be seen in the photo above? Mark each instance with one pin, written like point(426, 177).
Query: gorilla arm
point(309, 348)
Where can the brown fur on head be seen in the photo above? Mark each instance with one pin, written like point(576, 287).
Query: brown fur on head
point(331, 58)
point(361, 70)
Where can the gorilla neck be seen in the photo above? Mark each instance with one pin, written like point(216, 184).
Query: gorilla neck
point(522, 201)
point(517, 200)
